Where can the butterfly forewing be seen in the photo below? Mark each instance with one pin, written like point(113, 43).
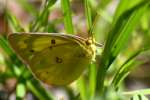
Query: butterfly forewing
point(54, 59)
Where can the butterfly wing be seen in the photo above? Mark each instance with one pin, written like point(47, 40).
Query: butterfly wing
point(54, 59)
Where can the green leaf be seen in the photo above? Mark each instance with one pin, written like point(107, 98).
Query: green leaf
point(13, 22)
point(92, 80)
point(12, 60)
point(38, 90)
point(123, 6)
point(67, 16)
point(40, 24)
point(126, 67)
point(118, 37)
point(88, 13)
point(82, 88)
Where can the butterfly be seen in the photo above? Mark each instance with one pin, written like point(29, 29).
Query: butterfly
point(54, 58)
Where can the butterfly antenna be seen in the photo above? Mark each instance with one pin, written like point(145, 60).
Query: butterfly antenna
point(90, 33)
point(99, 44)
point(5, 16)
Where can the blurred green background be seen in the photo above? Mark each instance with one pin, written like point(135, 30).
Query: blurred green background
point(122, 67)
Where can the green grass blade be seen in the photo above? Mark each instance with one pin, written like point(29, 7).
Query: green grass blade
point(12, 60)
point(82, 88)
point(13, 22)
point(124, 70)
point(4, 45)
point(41, 22)
point(127, 66)
point(67, 16)
point(88, 13)
point(127, 29)
point(38, 90)
point(92, 80)
point(123, 6)
point(117, 39)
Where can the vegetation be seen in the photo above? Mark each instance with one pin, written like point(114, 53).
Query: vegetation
point(125, 36)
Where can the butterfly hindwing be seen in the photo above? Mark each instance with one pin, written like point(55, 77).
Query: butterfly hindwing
point(60, 67)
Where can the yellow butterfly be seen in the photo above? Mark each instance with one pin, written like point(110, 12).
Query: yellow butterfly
point(54, 58)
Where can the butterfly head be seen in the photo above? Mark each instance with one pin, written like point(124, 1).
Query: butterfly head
point(90, 42)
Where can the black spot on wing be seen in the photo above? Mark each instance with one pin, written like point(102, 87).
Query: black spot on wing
point(53, 41)
point(58, 60)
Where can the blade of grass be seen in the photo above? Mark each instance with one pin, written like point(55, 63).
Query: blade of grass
point(127, 29)
point(124, 70)
point(92, 80)
point(67, 16)
point(123, 6)
point(12, 60)
point(117, 39)
point(13, 22)
point(38, 90)
point(41, 21)
point(82, 88)
point(4, 45)
point(88, 13)
point(144, 21)
point(127, 66)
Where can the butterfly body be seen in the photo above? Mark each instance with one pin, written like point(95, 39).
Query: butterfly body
point(54, 58)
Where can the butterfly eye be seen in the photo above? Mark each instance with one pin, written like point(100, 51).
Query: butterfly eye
point(88, 42)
